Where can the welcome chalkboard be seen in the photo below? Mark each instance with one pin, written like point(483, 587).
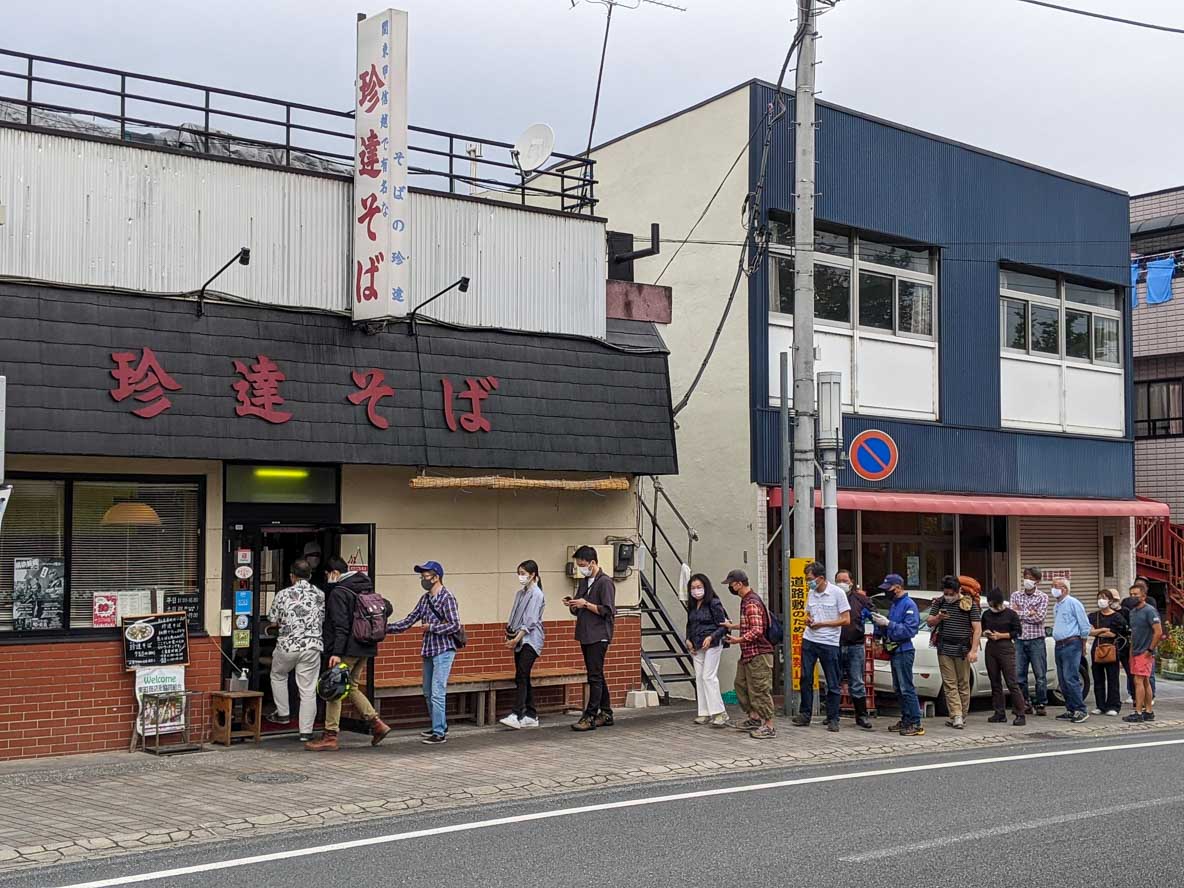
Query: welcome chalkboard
point(156, 640)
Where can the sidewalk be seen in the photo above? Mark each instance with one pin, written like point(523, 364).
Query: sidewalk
point(99, 805)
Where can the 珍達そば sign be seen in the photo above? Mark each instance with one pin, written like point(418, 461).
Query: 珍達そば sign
point(379, 272)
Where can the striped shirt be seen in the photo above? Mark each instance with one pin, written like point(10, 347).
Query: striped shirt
point(955, 631)
point(1033, 609)
point(441, 621)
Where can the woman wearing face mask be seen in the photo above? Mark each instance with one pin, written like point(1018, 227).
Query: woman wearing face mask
point(1108, 626)
point(706, 626)
point(1001, 627)
point(524, 636)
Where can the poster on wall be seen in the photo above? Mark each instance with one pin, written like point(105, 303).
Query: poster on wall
point(38, 593)
point(105, 610)
point(133, 602)
point(171, 712)
point(355, 548)
point(913, 570)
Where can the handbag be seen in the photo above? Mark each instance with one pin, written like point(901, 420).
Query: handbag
point(459, 637)
point(1105, 652)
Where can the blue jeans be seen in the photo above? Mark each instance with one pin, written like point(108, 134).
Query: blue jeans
point(1032, 651)
point(828, 656)
point(851, 663)
point(435, 688)
point(906, 690)
point(1069, 676)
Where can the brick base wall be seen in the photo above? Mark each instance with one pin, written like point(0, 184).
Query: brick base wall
point(57, 699)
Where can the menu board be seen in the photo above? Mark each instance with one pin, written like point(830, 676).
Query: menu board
point(156, 640)
point(189, 602)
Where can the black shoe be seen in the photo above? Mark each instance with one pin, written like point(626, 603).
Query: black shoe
point(1148, 716)
point(1028, 710)
point(863, 722)
point(1065, 716)
point(275, 718)
point(997, 719)
point(430, 733)
point(1134, 718)
point(1019, 721)
point(584, 724)
point(1040, 710)
point(800, 721)
point(833, 726)
point(434, 739)
point(305, 738)
point(603, 720)
point(1078, 717)
point(896, 727)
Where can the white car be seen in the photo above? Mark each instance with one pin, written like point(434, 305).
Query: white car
point(927, 676)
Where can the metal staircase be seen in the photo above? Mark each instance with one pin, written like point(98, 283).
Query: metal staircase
point(1159, 556)
point(664, 659)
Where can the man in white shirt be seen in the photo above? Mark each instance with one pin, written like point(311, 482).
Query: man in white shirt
point(827, 612)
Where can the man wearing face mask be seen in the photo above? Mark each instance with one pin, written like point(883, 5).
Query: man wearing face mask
point(1070, 629)
point(957, 618)
point(852, 654)
point(754, 673)
point(438, 612)
point(1032, 606)
point(896, 633)
point(827, 612)
point(595, 610)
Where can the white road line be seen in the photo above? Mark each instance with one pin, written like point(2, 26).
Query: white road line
point(1007, 829)
point(607, 806)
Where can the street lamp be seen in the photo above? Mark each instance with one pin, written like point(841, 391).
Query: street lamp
point(462, 285)
point(242, 257)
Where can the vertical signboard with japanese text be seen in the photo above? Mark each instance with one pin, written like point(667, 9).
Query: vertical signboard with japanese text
point(381, 239)
point(797, 615)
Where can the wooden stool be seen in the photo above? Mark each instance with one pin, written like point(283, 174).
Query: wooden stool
point(222, 715)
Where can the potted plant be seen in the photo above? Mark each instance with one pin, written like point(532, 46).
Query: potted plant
point(1170, 654)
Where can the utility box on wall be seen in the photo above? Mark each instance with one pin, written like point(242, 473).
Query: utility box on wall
point(628, 586)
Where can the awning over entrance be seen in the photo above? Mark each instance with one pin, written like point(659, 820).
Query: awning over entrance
point(964, 504)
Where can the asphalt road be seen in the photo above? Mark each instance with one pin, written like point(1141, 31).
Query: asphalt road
point(1054, 814)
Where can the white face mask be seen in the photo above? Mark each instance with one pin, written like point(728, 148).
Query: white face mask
point(523, 579)
point(1103, 603)
point(584, 571)
point(845, 586)
point(1057, 592)
point(1029, 585)
point(697, 592)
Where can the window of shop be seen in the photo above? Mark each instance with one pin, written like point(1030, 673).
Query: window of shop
point(918, 546)
point(77, 553)
point(1159, 408)
point(1060, 354)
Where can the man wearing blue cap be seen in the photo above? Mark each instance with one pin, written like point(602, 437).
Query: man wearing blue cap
point(442, 635)
point(895, 633)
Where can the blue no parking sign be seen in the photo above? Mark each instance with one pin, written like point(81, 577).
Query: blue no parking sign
point(874, 455)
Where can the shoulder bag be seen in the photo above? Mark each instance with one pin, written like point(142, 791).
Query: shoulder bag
point(460, 637)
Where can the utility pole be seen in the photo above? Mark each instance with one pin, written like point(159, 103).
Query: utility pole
point(803, 294)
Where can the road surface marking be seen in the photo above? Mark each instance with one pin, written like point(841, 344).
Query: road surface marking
point(605, 806)
point(1007, 829)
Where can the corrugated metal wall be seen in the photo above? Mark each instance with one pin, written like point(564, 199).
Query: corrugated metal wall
point(1053, 544)
point(983, 210)
point(99, 214)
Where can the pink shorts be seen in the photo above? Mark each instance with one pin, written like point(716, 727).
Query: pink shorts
point(1142, 664)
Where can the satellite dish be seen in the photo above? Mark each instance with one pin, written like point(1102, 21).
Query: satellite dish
point(533, 147)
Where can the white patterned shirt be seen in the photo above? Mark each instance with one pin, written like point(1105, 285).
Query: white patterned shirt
point(299, 611)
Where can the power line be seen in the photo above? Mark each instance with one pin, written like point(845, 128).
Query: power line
point(1107, 18)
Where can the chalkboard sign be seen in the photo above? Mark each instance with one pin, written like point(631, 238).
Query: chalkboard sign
point(156, 640)
point(189, 602)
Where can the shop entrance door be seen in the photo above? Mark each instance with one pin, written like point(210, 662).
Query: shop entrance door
point(258, 561)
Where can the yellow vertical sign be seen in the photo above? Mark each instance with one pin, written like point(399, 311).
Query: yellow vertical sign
point(797, 615)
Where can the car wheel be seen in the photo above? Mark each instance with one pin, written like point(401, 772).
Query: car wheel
point(1086, 680)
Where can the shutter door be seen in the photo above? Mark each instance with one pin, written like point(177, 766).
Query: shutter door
point(1065, 543)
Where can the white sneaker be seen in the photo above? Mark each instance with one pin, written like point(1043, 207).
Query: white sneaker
point(511, 721)
point(1096, 712)
point(959, 722)
point(528, 722)
point(1111, 712)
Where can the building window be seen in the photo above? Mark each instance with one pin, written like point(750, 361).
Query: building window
point(1034, 311)
point(896, 283)
point(1159, 409)
point(78, 554)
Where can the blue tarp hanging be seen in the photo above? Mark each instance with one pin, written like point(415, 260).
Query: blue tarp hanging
point(1134, 285)
point(1159, 280)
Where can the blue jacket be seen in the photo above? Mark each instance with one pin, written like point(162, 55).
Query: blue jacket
point(704, 622)
point(904, 621)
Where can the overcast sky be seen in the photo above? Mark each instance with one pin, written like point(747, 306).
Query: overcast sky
point(1091, 98)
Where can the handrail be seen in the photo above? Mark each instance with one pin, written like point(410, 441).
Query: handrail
point(569, 174)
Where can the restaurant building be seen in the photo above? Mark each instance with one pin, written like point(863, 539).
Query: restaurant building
point(975, 305)
point(176, 451)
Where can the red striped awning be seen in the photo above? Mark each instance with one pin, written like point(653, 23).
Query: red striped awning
point(966, 504)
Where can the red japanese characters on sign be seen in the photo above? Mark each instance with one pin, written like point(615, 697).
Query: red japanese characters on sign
point(259, 390)
point(146, 380)
point(371, 390)
point(476, 391)
point(369, 84)
point(367, 292)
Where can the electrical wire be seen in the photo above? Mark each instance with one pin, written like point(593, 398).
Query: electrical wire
point(753, 245)
point(608, 23)
point(1107, 18)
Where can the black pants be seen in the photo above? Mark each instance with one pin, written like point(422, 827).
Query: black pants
point(598, 697)
point(524, 659)
point(1001, 670)
point(1106, 692)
